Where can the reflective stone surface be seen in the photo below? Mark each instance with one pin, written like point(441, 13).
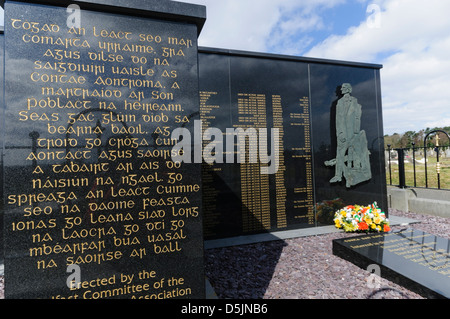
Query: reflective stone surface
point(157, 9)
point(246, 92)
point(326, 82)
point(92, 195)
point(298, 97)
point(412, 258)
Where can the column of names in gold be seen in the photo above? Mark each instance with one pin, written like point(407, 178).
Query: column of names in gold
point(254, 185)
point(210, 192)
point(302, 119)
point(280, 187)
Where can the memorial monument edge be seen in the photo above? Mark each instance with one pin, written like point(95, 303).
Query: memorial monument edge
point(165, 10)
point(254, 54)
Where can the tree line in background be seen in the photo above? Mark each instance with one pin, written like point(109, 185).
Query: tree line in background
point(407, 139)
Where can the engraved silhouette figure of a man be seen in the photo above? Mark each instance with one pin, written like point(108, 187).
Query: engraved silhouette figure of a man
point(352, 155)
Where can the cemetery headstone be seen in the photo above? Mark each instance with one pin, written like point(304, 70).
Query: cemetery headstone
point(94, 205)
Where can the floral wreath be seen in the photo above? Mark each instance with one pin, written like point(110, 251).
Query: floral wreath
point(356, 218)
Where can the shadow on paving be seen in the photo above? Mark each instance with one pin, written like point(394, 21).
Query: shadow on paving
point(242, 272)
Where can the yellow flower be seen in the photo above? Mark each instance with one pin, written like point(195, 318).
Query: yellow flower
point(373, 226)
point(368, 220)
point(337, 223)
point(350, 227)
point(377, 220)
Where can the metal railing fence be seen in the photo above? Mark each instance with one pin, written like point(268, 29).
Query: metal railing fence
point(427, 167)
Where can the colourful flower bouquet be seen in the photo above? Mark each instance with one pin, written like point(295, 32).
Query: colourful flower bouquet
point(356, 218)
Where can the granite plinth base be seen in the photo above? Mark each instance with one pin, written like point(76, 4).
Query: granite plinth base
point(411, 258)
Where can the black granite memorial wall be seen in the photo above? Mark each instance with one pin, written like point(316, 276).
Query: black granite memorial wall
point(298, 96)
point(94, 205)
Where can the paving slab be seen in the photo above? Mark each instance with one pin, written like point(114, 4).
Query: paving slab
point(282, 235)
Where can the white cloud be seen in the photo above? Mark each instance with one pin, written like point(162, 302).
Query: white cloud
point(412, 43)
point(237, 24)
point(255, 25)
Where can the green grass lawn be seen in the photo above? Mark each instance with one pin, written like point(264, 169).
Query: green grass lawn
point(420, 173)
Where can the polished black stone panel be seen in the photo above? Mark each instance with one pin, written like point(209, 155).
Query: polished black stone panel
point(158, 9)
point(296, 96)
point(412, 258)
point(326, 82)
point(88, 175)
point(251, 92)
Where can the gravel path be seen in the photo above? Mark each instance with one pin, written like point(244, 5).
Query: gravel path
point(301, 268)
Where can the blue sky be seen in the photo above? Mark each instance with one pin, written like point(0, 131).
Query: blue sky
point(321, 23)
point(411, 38)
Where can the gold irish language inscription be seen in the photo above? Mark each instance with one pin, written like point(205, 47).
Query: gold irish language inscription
point(103, 189)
